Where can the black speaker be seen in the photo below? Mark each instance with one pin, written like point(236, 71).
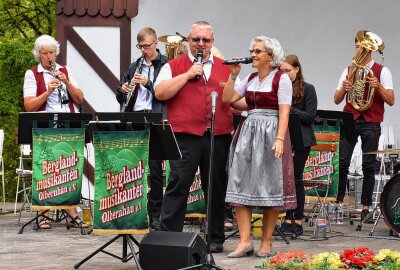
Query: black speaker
point(171, 250)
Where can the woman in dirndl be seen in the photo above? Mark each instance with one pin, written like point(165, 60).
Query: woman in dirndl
point(260, 163)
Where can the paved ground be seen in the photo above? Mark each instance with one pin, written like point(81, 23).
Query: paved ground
point(60, 248)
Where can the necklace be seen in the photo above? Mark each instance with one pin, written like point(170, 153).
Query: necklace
point(261, 80)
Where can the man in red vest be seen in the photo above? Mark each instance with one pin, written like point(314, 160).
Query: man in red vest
point(367, 124)
point(51, 87)
point(186, 86)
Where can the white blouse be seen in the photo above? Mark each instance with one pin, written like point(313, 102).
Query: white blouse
point(284, 91)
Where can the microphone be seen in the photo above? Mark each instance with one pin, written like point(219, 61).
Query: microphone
point(214, 96)
point(246, 60)
point(199, 59)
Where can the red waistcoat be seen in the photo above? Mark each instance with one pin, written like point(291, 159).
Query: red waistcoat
point(375, 112)
point(41, 87)
point(189, 111)
point(264, 100)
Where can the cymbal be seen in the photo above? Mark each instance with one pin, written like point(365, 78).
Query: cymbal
point(384, 151)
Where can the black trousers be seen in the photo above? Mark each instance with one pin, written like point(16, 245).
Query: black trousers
point(299, 161)
point(195, 152)
point(155, 195)
point(369, 133)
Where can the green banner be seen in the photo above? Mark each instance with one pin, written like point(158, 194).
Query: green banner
point(120, 197)
point(196, 206)
point(57, 167)
point(323, 166)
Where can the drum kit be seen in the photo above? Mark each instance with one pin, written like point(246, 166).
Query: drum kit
point(389, 203)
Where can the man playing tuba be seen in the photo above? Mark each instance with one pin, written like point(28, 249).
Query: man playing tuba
point(366, 86)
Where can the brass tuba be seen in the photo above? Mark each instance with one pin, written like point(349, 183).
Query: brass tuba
point(173, 45)
point(358, 96)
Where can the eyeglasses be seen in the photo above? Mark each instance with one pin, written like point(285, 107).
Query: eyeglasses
point(287, 70)
point(205, 40)
point(256, 51)
point(144, 46)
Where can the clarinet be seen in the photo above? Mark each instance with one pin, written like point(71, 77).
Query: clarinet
point(132, 86)
point(61, 91)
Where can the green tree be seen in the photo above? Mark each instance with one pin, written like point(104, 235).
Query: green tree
point(21, 22)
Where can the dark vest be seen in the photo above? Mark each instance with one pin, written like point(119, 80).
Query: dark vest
point(375, 112)
point(189, 111)
point(264, 100)
point(41, 87)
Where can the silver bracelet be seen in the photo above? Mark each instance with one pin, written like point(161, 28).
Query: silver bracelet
point(280, 138)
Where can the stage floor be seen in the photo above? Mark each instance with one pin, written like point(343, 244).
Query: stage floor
point(60, 248)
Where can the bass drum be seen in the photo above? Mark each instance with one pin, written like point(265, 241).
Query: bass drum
point(390, 203)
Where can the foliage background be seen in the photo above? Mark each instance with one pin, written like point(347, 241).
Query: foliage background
point(21, 22)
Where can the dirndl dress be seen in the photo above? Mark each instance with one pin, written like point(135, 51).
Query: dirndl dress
point(256, 177)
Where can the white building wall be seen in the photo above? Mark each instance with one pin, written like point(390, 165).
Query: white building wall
point(320, 32)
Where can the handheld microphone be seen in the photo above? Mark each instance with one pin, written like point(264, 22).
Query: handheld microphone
point(199, 59)
point(214, 96)
point(246, 60)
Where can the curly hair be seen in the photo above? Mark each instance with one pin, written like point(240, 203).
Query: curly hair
point(44, 41)
point(273, 48)
point(298, 83)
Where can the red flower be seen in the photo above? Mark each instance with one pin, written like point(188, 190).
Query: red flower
point(359, 258)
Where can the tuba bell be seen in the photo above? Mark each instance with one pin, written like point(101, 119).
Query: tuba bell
point(361, 94)
point(173, 45)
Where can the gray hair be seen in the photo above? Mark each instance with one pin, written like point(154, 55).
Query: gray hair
point(42, 42)
point(202, 25)
point(273, 48)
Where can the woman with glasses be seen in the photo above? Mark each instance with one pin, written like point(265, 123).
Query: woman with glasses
point(304, 104)
point(260, 163)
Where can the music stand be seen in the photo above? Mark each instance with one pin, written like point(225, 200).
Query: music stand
point(162, 141)
point(347, 126)
point(29, 120)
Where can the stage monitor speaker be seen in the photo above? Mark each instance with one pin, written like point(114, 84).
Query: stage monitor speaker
point(171, 250)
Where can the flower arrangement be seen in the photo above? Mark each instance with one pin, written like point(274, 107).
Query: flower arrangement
point(327, 260)
point(351, 259)
point(386, 259)
point(288, 261)
point(357, 258)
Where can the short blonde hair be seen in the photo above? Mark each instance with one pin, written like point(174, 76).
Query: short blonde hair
point(202, 25)
point(42, 42)
point(146, 31)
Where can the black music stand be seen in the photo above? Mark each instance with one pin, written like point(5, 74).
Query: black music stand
point(162, 145)
point(27, 121)
point(347, 126)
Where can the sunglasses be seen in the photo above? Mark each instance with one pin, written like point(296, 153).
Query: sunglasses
point(144, 46)
point(256, 51)
point(205, 40)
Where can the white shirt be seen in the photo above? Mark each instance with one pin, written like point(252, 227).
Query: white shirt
point(166, 73)
point(53, 101)
point(144, 98)
point(284, 92)
point(386, 77)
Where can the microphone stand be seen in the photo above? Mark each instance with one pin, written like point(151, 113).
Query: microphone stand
point(208, 262)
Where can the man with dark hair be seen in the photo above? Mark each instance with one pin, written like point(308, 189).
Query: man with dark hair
point(139, 78)
point(367, 120)
point(186, 86)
